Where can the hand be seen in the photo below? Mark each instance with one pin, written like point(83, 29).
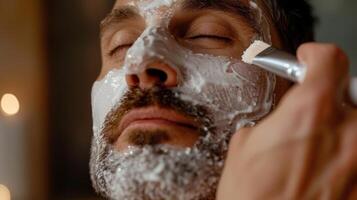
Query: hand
point(307, 148)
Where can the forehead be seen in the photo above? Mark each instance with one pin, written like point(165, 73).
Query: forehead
point(147, 3)
point(152, 9)
point(240, 11)
point(157, 3)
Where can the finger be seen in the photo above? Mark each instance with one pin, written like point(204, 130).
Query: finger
point(327, 69)
point(230, 167)
point(238, 139)
point(341, 176)
point(326, 63)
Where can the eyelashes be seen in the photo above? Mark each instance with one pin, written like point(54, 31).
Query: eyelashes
point(210, 37)
point(120, 49)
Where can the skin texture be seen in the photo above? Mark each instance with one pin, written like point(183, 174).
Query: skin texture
point(303, 150)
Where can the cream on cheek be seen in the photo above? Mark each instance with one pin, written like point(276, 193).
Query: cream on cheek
point(235, 93)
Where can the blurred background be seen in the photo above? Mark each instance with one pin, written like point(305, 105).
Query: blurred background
point(49, 57)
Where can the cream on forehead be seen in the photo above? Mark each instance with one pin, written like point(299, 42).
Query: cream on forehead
point(150, 10)
point(149, 5)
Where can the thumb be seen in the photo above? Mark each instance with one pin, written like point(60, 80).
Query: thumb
point(326, 63)
point(238, 139)
point(327, 71)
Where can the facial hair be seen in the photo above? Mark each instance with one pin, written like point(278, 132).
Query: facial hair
point(154, 171)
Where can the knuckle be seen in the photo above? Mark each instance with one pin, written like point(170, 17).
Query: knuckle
point(333, 49)
point(336, 54)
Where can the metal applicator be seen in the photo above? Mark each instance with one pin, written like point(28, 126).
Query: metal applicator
point(284, 64)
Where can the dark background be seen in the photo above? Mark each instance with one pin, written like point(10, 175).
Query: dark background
point(75, 62)
point(74, 57)
point(49, 58)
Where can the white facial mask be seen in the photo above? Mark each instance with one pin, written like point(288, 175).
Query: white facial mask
point(235, 94)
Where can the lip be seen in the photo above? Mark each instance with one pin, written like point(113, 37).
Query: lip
point(155, 116)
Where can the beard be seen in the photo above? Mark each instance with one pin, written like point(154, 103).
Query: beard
point(153, 171)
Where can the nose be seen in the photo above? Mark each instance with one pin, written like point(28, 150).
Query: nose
point(156, 73)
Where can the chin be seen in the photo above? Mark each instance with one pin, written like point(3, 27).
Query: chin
point(160, 170)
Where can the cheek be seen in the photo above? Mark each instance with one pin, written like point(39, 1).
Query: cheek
point(254, 77)
point(282, 86)
point(106, 93)
point(232, 91)
point(247, 87)
point(104, 71)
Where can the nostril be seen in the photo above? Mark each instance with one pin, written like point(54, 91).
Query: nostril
point(157, 73)
point(154, 74)
point(132, 80)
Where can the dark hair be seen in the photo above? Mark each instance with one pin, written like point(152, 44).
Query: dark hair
point(294, 21)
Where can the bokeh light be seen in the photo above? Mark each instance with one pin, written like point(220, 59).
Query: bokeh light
point(10, 105)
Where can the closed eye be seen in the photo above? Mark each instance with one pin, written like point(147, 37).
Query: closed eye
point(212, 37)
point(119, 49)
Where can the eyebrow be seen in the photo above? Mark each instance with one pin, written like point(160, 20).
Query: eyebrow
point(235, 7)
point(117, 15)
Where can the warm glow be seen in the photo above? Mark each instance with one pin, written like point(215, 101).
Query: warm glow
point(9, 104)
point(4, 193)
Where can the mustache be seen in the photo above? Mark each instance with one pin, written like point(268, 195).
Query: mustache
point(162, 97)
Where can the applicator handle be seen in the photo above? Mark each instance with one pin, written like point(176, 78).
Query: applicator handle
point(287, 66)
point(281, 63)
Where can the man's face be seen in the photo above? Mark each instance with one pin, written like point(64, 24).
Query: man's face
point(171, 93)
